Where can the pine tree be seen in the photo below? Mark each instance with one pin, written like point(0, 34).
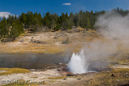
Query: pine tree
point(22, 18)
point(4, 28)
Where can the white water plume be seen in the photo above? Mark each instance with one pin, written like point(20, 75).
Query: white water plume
point(78, 64)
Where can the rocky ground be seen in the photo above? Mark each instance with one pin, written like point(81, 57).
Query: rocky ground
point(50, 77)
point(33, 76)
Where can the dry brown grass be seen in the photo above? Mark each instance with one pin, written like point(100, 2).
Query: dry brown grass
point(51, 45)
point(38, 48)
point(58, 77)
point(77, 40)
point(120, 77)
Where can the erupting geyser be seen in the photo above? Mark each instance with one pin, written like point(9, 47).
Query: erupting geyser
point(78, 63)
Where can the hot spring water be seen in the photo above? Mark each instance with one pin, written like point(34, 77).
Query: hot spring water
point(78, 63)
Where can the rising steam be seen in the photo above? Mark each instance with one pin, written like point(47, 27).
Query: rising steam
point(115, 32)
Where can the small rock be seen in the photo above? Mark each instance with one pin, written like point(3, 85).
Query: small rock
point(113, 75)
point(79, 79)
point(60, 63)
point(65, 78)
point(118, 80)
point(69, 74)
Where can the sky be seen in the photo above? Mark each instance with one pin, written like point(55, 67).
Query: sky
point(12, 7)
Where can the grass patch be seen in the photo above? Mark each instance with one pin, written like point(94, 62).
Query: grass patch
point(6, 71)
point(58, 77)
point(66, 41)
point(62, 77)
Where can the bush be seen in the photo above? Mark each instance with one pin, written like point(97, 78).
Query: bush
point(66, 41)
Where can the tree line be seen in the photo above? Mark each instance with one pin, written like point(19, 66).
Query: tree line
point(13, 26)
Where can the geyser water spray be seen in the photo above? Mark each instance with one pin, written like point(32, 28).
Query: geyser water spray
point(78, 63)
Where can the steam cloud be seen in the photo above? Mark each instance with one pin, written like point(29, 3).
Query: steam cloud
point(113, 25)
point(115, 32)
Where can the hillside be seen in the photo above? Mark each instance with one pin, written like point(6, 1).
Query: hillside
point(48, 42)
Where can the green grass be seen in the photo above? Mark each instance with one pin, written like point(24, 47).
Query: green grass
point(7, 71)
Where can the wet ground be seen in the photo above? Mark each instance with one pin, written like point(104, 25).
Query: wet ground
point(31, 61)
